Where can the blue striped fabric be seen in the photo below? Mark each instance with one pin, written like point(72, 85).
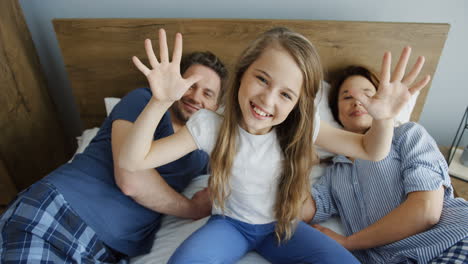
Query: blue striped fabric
point(363, 192)
point(40, 227)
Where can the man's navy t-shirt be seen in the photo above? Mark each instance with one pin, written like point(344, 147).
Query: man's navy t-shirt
point(88, 183)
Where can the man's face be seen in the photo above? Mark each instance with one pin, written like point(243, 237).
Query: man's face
point(202, 94)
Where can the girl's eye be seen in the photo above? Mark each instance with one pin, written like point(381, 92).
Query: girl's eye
point(263, 80)
point(208, 95)
point(347, 97)
point(286, 95)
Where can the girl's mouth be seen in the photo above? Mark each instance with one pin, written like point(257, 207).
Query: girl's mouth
point(258, 112)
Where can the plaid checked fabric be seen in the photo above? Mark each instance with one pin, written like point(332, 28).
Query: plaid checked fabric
point(40, 227)
point(457, 254)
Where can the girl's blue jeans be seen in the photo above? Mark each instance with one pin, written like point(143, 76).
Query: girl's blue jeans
point(225, 240)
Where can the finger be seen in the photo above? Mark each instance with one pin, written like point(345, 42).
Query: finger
point(411, 76)
point(400, 68)
point(163, 51)
point(177, 54)
point(193, 79)
point(385, 69)
point(419, 85)
point(140, 66)
point(150, 53)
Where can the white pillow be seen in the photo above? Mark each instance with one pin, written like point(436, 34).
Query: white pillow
point(84, 140)
point(321, 103)
point(405, 114)
point(110, 102)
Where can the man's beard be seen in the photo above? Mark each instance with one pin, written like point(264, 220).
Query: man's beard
point(178, 114)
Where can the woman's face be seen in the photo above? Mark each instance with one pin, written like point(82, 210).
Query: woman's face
point(352, 114)
point(269, 90)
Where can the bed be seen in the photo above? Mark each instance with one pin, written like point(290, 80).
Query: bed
point(97, 56)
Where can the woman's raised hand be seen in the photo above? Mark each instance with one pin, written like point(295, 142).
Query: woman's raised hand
point(395, 89)
point(166, 83)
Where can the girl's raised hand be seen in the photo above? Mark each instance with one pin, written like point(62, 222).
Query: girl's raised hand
point(167, 85)
point(394, 90)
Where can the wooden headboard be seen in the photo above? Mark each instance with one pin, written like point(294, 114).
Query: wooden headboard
point(97, 52)
point(32, 139)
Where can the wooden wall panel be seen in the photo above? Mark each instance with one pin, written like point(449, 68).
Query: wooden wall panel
point(97, 52)
point(7, 188)
point(32, 142)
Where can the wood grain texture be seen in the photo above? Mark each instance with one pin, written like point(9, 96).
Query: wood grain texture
point(32, 140)
point(97, 52)
point(7, 188)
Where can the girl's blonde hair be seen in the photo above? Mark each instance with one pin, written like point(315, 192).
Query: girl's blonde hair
point(294, 134)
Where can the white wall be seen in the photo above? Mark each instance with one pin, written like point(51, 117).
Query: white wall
point(444, 106)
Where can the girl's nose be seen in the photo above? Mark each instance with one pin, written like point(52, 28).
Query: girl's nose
point(268, 98)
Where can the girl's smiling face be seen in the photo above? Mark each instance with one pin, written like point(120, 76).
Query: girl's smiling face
point(352, 114)
point(269, 90)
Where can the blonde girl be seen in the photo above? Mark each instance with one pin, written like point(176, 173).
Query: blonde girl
point(262, 149)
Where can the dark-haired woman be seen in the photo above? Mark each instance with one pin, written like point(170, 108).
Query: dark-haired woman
point(400, 209)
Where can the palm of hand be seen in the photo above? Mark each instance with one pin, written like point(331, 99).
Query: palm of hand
point(166, 76)
point(388, 101)
point(394, 90)
point(165, 80)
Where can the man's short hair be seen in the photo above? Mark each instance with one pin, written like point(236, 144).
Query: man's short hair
point(209, 60)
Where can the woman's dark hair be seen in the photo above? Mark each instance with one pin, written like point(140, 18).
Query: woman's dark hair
point(342, 75)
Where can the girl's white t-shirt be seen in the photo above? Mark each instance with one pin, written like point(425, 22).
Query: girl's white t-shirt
point(255, 171)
